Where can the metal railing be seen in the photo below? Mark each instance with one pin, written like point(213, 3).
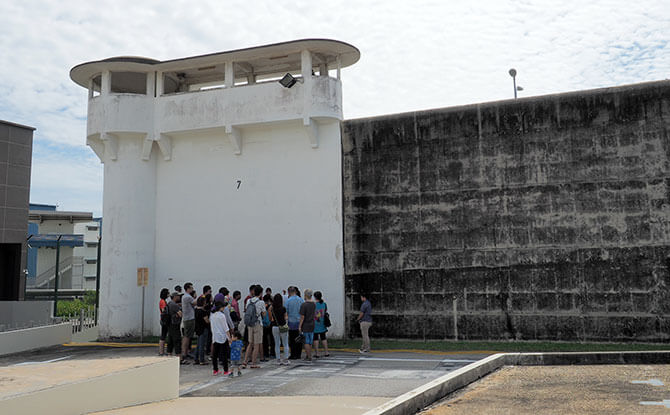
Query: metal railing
point(86, 319)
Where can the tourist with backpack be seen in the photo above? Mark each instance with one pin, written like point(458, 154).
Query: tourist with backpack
point(321, 325)
point(253, 316)
point(174, 332)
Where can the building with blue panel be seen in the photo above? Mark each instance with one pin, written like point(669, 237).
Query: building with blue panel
point(72, 237)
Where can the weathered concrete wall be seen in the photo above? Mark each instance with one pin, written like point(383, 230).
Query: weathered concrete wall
point(25, 313)
point(17, 341)
point(542, 218)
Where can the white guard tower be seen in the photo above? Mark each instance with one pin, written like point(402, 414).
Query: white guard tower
point(216, 173)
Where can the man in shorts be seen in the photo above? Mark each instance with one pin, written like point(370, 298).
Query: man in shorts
point(307, 317)
point(188, 320)
point(255, 331)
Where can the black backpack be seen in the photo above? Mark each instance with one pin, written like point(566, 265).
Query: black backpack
point(165, 316)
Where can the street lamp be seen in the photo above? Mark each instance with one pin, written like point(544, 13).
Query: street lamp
point(512, 73)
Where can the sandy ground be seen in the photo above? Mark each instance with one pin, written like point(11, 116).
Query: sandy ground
point(601, 389)
point(32, 376)
point(277, 405)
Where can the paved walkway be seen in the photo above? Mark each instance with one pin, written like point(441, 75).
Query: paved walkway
point(346, 374)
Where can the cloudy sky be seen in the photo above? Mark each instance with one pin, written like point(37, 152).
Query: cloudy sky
point(414, 55)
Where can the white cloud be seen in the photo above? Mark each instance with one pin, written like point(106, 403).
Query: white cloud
point(415, 55)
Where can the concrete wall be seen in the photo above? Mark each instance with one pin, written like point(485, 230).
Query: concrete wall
point(543, 218)
point(215, 108)
point(20, 313)
point(187, 220)
point(16, 341)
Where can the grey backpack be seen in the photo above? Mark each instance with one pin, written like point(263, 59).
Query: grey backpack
point(250, 316)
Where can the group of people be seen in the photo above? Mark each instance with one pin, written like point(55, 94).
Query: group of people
point(238, 334)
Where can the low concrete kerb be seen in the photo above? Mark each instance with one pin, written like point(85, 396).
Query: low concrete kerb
point(429, 393)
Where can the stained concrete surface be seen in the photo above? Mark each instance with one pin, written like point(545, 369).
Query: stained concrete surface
point(543, 218)
point(588, 389)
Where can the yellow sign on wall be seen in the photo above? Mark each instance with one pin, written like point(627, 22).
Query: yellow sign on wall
point(142, 277)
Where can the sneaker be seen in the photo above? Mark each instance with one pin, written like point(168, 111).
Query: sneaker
point(239, 373)
point(228, 373)
point(216, 372)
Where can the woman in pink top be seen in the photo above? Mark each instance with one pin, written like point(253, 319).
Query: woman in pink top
point(234, 303)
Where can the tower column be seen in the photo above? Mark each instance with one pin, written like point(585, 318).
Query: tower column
point(306, 64)
point(128, 229)
point(229, 77)
point(106, 83)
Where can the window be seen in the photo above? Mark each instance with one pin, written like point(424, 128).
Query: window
point(129, 83)
point(97, 83)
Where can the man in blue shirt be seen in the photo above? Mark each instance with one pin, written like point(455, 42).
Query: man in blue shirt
point(293, 310)
point(365, 321)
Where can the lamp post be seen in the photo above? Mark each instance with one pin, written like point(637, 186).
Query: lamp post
point(512, 73)
point(25, 271)
point(57, 271)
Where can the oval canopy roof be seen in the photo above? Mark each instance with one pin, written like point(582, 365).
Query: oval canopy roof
point(261, 60)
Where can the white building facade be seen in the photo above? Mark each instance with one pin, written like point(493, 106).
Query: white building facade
point(217, 174)
point(88, 253)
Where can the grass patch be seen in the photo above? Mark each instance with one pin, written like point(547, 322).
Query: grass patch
point(499, 346)
point(461, 346)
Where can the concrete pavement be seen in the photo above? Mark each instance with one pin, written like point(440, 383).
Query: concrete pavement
point(346, 374)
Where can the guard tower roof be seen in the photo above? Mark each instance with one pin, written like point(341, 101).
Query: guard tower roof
point(271, 59)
